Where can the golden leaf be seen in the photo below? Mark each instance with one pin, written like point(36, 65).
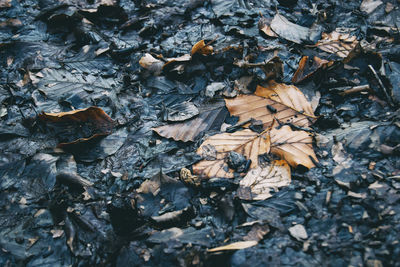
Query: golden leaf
point(216, 148)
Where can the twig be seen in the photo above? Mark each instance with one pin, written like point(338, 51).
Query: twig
point(355, 89)
point(385, 91)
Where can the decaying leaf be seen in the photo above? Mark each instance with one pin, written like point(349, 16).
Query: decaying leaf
point(5, 3)
point(202, 48)
point(264, 26)
point(289, 95)
point(152, 64)
point(308, 67)
point(216, 148)
point(209, 116)
point(249, 107)
point(259, 182)
point(180, 112)
point(368, 6)
point(293, 146)
point(338, 42)
point(79, 126)
point(177, 60)
point(235, 246)
point(272, 68)
point(289, 31)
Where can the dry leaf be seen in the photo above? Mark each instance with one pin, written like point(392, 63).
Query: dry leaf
point(369, 6)
point(201, 48)
point(308, 67)
point(258, 182)
point(152, 64)
point(293, 146)
point(249, 107)
point(235, 246)
point(337, 42)
point(264, 26)
point(288, 30)
point(90, 123)
point(216, 148)
point(177, 60)
point(209, 116)
point(289, 95)
point(5, 3)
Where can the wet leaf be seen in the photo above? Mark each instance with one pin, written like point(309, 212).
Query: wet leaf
point(210, 116)
point(86, 124)
point(180, 112)
point(235, 246)
point(293, 146)
point(264, 26)
point(259, 182)
point(216, 148)
point(288, 30)
point(248, 107)
point(308, 67)
point(338, 42)
point(272, 68)
point(289, 95)
point(151, 63)
point(202, 48)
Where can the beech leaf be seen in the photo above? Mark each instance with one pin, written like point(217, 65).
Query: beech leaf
point(215, 149)
point(338, 42)
point(293, 146)
point(259, 182)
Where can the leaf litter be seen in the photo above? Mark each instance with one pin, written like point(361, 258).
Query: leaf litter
point(214, 77)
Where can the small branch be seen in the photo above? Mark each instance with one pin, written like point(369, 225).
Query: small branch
point(384, 89)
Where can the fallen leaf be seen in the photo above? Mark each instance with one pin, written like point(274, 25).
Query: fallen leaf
point(180, 112)
point(152, 64)
point(368, 6)
point(338, 42)
point(210, 116)
point(5, 3)
point(216, 148)
point(171, 62)
point(272, 68)
point(235, 246)
point(308, 67)
point(288, 30)
point(289, 95)
point(78, 126)
point(201, 48)
point(264, 27)
point(293, 146)
point(248, 107)
point(259, 182)
point(257, 232)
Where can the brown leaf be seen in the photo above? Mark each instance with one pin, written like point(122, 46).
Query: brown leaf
point(257, 232)
point(177, 60)
point(90, 123)
point(216, 148)
point(235, 246)
point(264, 27)
point(337, 42)
point(5, 3)
point(209, 116)
point(151, 63)
point(288, 30)
point(308, 67)
point(293, 146)
point(259, 182)
point(289, 95)
point(201, 48)
point(249, 107)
